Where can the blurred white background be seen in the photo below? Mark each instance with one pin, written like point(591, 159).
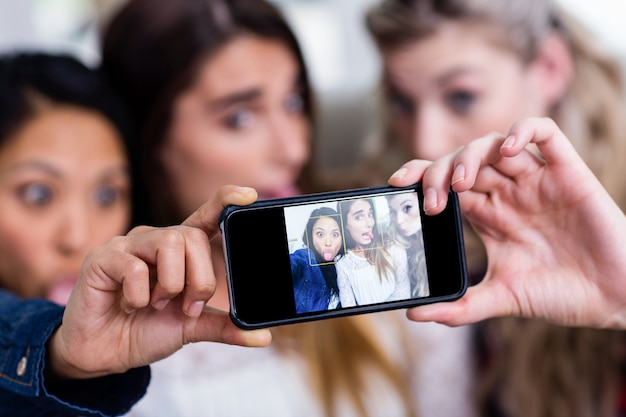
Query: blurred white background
point(342, 61)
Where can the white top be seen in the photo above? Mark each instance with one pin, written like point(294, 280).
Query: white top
point(360, 284)
point(210, 379)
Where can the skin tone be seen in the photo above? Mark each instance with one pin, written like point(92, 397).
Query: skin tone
point(554, 237)
point(64, 188)
point(238, 124)
point(457, 85)
point(360, 225)
point(327, 238)
point(115, 313)
point(405, 212)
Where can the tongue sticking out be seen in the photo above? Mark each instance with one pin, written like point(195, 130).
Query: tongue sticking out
point(369, 235)
point(328, 255)
point(60, 292)
point(285, 191)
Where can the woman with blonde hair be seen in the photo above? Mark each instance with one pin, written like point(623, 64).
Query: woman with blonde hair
point(457, 70)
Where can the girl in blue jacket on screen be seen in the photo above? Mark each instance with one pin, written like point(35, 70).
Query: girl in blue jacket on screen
point(313, 267)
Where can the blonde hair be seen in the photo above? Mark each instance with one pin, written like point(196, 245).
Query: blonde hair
point(540, 369)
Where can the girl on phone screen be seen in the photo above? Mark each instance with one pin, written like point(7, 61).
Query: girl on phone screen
point(406, 230)
point(313, 267)
point(369, 273)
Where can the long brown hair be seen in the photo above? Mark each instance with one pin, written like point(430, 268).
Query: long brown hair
point(536, 369)
point(152, 51)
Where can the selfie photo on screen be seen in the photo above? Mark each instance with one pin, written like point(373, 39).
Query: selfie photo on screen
point(356, 252)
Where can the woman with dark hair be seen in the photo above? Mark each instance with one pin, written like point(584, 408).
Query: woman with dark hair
point(372, 271)
point(65, 188)
point(65, 179)
point(218, 90)
point(313, 267)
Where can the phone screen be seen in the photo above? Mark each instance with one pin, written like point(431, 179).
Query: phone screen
point(351, 252)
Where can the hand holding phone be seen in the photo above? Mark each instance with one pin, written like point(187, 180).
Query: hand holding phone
point(335, 254)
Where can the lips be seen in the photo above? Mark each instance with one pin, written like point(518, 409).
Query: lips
point(285, 191)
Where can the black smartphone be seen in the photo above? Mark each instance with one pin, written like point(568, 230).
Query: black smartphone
point(326, 255)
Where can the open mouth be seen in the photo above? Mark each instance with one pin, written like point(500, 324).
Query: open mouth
point(60, 291)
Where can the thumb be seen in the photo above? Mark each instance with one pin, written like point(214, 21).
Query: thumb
point(215, 326)
point(207, 216)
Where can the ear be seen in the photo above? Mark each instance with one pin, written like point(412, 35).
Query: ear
point(554, 68)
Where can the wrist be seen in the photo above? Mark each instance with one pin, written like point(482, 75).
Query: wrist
point(58, 362)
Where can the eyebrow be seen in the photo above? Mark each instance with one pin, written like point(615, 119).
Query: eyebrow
point(52, 171)
point(235, 98)
point(395, 82)
point(455, 72)
point(36, 165)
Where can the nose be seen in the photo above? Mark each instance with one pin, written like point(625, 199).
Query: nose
point(400, 217)
point(291, 141)
point(431, 136)
point(73, 231)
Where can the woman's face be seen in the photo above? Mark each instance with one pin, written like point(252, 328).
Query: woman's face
point(405, 213)
point(455, 86)
point(242, 122)
point(64, 188)
point(360, 222)
point(327, 238)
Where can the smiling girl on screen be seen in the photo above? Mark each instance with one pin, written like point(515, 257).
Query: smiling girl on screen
point(369, 273)
point(313, 268)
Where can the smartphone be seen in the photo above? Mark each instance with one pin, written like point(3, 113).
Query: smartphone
point(334, 254)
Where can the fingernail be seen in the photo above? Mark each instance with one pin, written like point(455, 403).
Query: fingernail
point(399, 173)
point(459, 174)
point(160, 305)
point(195, 309)
point(243, 190)
point(430, 199)
point(509, 142)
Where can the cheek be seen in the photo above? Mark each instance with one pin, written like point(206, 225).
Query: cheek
point(22, 253)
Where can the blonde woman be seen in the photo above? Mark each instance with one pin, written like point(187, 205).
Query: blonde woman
point(457, 70)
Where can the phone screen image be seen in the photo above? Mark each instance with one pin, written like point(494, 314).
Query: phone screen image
point(356, 251)
point(334, 254)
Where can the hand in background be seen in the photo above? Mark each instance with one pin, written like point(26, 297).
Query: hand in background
point(555, 239)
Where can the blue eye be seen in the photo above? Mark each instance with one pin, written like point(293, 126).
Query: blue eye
point(238, 119)
point(294, 103)
point(461, 101)
point(37, 195)
point(106, 196)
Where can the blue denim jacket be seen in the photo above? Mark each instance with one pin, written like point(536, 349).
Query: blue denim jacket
point(25, 327)
point(310, 289)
